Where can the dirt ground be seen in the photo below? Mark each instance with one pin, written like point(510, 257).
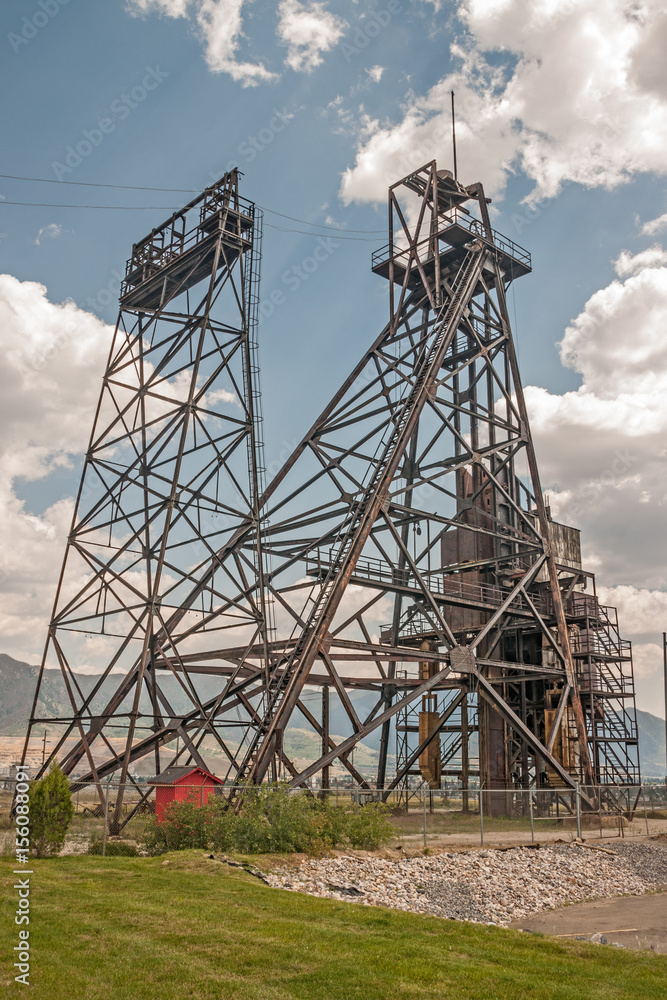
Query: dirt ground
point(505, 838)
point(638, 922)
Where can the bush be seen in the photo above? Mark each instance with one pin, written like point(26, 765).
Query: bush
point(114, 848)
point(270, 820)
point(51, 813)
point(183, 826)
point(369, 828)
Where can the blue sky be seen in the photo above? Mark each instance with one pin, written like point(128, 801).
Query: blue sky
point(562, 116)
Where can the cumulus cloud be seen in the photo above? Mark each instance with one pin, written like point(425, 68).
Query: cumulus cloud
point(308, 30)
point(602, 452)
point(170, 8)
point(601, 447)
point(642, 611)
point(647, 661)
point(219, 23)
point(565, 90)
point(54, 357)
point(654, 226)
point(50, 232)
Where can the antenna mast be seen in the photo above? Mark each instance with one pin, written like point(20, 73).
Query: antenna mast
point(456, 172)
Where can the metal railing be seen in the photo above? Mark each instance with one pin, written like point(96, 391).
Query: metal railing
point(456, 218)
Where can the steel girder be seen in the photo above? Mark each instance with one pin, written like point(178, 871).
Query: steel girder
point(407, 527)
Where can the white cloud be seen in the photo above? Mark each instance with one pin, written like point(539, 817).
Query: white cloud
point(307, 29)
point(50, 232)
point(654, 225)
point(647, 659)
point(54, 357)
point(170, 8)
point(618, 345)
point(641, 611)
point(562, 89)
point(375, 73)
point(628, 263)
point(602, 448)
point(219, 23)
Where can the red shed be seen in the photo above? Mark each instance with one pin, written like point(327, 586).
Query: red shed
point(182, 784)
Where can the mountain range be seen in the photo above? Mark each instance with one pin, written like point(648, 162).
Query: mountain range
point(18, 680)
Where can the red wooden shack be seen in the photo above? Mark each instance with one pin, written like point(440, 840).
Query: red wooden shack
point(182, 784)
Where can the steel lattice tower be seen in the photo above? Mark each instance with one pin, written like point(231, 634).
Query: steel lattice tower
point(173, 468)
point(404, 548)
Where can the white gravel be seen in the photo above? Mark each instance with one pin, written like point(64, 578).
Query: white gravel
point(493, 887)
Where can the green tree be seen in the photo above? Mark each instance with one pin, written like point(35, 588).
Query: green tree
point(51, 812)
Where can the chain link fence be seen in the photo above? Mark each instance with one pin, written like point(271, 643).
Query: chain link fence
point(113, 819)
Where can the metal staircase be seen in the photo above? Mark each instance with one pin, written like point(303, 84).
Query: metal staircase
point(289, 674)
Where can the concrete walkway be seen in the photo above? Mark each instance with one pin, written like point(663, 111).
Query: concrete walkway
point(638, 922)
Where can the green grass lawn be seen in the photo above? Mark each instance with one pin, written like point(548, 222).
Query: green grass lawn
point(133, 929)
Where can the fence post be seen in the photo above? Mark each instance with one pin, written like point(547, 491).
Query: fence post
point(424, 804)
point(481, 817)
point(106, 819)
point(644, 804)
point(532, 821)
point(578, 798)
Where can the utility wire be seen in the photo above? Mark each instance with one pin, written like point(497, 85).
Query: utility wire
point(124, 187)
point(134, 187)
point(115, 208)
point(168, 208)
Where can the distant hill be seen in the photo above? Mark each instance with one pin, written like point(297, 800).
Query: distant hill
point(651, 745)
point(18, 681)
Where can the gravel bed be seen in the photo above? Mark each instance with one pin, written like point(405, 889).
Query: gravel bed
point(649, 861)
point(494, 887)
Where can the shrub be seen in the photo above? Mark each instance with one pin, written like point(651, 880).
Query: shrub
point(269, 820)
point(114, 848)
point(51, 813)
point(369, 828)
point(183, 826)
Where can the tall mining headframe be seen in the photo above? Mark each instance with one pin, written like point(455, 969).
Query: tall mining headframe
point(402, 562)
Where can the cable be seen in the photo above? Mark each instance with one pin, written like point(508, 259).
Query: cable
point(124, 187)
point(284, 229)
point(372, 232)
point(116, 208)
point(134, 187)
point(169, 208)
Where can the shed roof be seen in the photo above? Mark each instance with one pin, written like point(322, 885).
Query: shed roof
point(172, 775)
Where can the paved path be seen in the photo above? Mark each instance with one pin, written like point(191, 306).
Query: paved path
point(633, 921)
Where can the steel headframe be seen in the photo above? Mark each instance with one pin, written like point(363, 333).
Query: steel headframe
point(414, 499)
point(174, 468)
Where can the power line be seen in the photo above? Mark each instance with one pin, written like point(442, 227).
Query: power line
point(124, 187)
point(135, 187)
point(115, 208)
point(169, 208)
